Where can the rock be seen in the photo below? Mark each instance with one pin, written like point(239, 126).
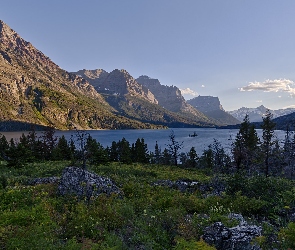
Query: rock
point(238, 217)
point(45, 180)
point(85, 184)
point(235, 238)
point(182, 185)
point(216, 187)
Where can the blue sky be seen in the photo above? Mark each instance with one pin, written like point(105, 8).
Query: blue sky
point(242, 51)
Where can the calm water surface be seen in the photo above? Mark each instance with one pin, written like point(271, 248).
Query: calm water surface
point(205, 136)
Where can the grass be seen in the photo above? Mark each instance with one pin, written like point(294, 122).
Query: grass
point(147, 217)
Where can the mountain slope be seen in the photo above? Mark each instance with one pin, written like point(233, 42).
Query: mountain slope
point(137, 101)
point(35, 90)
point(211, 107)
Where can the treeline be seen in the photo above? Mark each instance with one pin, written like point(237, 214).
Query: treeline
point(249, 154)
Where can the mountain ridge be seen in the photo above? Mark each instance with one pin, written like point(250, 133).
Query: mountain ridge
point(212, 107)
point(36, 90)
point(136, 100)
point(256, 114)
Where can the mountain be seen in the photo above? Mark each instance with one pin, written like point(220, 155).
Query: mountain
point(170, 98)
point(134, 99)
point(256, 114)
point(117, 82)
point(34, 90)
point(211, 107)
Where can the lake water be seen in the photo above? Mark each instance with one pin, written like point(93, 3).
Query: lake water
point(205, 136)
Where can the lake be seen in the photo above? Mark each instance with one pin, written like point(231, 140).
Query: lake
point(205, 136)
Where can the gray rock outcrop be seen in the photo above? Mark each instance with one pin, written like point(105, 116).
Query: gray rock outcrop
point(235, 238)
point(182, 185)
point(44, 180)
point(85, 184)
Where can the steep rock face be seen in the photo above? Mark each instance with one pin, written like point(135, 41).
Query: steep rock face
point(132, 99)
point(35, 90)
point(212, 107)
point(169, 97)
point(117, 82)
point(206, 103)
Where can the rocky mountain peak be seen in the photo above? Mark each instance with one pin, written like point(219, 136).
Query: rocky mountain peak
point(93, 74)
point(117, 82)
point(206, 103)
point(169, 97)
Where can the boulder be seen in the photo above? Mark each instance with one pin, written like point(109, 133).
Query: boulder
point(45, 180)
point(235, 238)
point(84, 184)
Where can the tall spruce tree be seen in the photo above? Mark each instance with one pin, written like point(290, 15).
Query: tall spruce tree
point(268, 141)
point(245, 148)
point(4, 146)
point(140, 151)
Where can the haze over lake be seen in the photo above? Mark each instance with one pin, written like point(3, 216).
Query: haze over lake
point(205, 136)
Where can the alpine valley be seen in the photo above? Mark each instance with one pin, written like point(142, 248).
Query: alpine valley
point(35, 91)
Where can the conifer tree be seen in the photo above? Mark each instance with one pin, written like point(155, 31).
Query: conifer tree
point(4, 146)
point(192, 158)
point(174, 147)
point(246, 146)
point(95, 151)
point(113, 152)
point(140, 151)
point(268, 140)
point(157, 154)
point(62, 150)
point(124, 151)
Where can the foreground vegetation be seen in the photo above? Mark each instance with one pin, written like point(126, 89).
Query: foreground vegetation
point(256, 181)
point(147, 217)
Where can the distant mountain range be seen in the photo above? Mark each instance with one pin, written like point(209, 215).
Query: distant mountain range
point(256, 114)
point(36, 92)
point(147, 99)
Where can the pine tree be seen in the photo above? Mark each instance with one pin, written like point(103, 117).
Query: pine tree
point(113, 152)
point(174, 147)
point(246, 146)
point(157, 154)
point(4, 146)
point(124, 151)
point(268, 140)
point(62, 150)
point(192, 158)
point(48, 143)
point(139, 151)
point(96, 154)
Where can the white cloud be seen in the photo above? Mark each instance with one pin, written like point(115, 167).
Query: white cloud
point(277, 85)
point(189, 91)
point(290, 106)
point(259, 101)
point(203, 86)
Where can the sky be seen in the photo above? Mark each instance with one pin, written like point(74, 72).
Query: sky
point(242, 51)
